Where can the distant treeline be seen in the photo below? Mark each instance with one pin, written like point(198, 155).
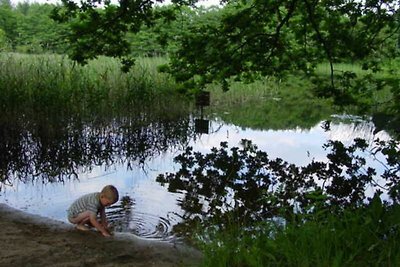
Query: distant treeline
point(28, 28)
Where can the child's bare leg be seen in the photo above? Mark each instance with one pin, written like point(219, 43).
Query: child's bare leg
point(80, 220)
point(82, 227)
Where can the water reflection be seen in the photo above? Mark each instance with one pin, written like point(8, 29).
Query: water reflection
point(125, 219)
point(129, 151)
point(346, 127)
point(241, 185)
point(53, 149)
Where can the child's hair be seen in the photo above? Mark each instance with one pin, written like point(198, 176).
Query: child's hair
point(110, 192)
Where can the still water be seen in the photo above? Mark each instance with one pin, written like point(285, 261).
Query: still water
point(50, 167)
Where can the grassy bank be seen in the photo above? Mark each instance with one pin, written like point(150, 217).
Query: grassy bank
point(302, 101)
point(363, 237)
point(270, 104)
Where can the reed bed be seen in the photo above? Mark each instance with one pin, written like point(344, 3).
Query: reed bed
point(39, 81)
point(48, 80)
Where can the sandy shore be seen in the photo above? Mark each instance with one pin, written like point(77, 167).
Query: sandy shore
point(30, 240)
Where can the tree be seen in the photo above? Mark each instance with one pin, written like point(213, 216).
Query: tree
point(8, 22)
point(258, 38)
point(37, 31)
point(3, 40)
point(251, 38)
point(102, 31)
point(23, 7)
point(161, 38)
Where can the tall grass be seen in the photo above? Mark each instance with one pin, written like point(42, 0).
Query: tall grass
point(362, 237)
point(54, 80)
point(39, 81)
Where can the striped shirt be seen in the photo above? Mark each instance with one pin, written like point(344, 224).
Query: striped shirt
point(89, 202)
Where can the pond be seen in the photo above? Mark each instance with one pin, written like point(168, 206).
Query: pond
point(46, 163)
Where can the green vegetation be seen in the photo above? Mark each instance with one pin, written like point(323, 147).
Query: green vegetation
point(47, 81)
point(3, 40)
point(243, 40)
point(364, 237)
point(43, 81)
point(270, 104)
point(254, 211)
point(271, 55)
point(204, 43)
point(286, 103)
point(29, 29)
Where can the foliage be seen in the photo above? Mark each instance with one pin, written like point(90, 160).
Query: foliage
point(244, 40)
point(253, 211)
point(97, 31)
point(8, 22)
point(3, 40)
point(362, 237)
point(29, 29)
point(159, 38)
point(245, 184)
point(269, 38)
point(37, 32)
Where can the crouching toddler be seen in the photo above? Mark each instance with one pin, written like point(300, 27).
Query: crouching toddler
point(85, 209)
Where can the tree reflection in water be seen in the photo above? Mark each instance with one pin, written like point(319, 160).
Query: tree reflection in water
point(242, 186)
point(53, 147)
point(229, 185)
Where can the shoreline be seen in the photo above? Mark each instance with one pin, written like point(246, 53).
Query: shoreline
point(33, 240)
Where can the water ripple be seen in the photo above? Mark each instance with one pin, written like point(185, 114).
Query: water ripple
point(122, 218)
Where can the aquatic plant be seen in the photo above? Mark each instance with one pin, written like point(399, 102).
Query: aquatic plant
point(41, 81)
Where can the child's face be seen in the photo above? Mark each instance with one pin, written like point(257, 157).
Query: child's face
point(105, 201)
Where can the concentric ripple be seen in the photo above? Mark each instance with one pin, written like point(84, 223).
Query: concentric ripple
point(122, 218)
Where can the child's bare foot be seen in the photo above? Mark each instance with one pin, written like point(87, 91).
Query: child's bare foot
point(82, 227)
point(106, 234)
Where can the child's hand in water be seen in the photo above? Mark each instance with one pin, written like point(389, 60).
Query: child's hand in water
point(106, 234)
point(107, 226)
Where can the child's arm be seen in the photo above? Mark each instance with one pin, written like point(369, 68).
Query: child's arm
point(99, 226)
point(103, 218)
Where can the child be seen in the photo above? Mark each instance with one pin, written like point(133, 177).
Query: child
point(84, 210)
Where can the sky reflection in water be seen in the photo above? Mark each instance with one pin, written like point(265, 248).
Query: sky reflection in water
point(153, 210)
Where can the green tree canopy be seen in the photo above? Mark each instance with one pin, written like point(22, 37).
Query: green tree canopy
point(249, 38)
point(264, 37)
point(28, 28)
point(8, 22)
point(3, 40)
point(37, 31)
point(102, 31)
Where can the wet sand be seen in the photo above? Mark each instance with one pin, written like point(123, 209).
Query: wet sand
point(30, 240)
